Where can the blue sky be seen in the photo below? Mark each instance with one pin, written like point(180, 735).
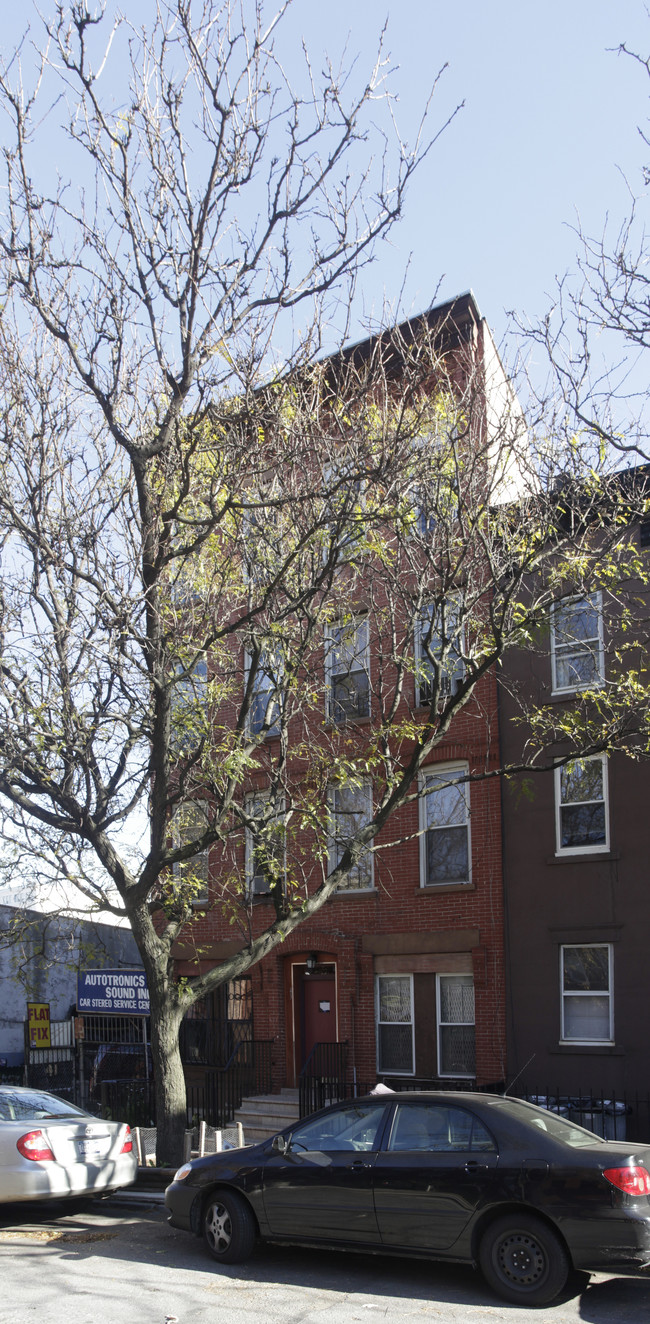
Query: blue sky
point(548, 133)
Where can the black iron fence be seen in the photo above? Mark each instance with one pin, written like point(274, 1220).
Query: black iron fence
point(213, 1100)
point(132, 1101)
point(323, 1077)
point(216, 1099)
point(615, 1116)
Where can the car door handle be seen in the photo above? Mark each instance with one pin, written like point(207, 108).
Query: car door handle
point(473, 1166)
point(358, 1165)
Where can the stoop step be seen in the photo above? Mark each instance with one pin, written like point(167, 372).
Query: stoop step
point(262, 1115)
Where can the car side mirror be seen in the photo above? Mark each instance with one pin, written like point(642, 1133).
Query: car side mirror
point(281, 1144)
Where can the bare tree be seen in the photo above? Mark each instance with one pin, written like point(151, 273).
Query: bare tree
point(597, 330)
point(206, 532)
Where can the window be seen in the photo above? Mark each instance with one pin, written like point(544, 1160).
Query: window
point(577, 658)
point(444, 824)
point(344, 501)
point(435, 635)
point(191, 877)
point(265, 846)
point(264, 711)
point(586, 980)
point(189, 702)
point(437, 1128)
point(394, 1011)
point(351, 810)
point(456, 1033)
point(262, 534)
point(353, 1127)
point(581, 805)
point(347, 665)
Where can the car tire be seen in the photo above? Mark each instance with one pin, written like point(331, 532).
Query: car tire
point(229, 1228)
point(524, 1260)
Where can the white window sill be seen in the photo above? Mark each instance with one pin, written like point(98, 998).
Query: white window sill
point(434, 889)
point(455, 1075)
point(603, 854)
point(355, 891)
point(587, 1043)
point(577, 689)
point(581, 851)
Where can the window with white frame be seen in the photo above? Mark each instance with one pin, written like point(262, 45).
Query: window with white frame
point(456, 1025)
point(438, 640)
point(347, 666)
point(350, 811)
point(191, 877)
point(444, 839)
point(264, 711)
point(265, 845)
point(262, 533)
point(394, 1016)
point(189, 699)
point(587, 993)
point(581, 805)
point(577, 656)
point(345, 505)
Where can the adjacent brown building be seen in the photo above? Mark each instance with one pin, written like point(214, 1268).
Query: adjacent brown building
point(576, 852)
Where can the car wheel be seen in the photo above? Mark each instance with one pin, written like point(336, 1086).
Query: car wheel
point(523, 1260)
point(229, 1229)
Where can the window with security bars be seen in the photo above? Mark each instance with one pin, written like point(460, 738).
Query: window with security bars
point(438, 639)
point(350, 810)
point(586, 977)
point(264, 712)
point(189, 705)
point(445, 845)
point(347, 663)
point(265, 846)
point(191, 877)
point(581, 805)
point(456, 1026)
point(577, 656)
point(394, 1013)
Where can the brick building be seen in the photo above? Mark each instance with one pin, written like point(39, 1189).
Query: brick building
point(576, 850)
point(402, 970)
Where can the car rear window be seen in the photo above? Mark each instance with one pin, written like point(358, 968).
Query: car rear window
point(437, 1128)
point(34, 1106)
point(559, 1128)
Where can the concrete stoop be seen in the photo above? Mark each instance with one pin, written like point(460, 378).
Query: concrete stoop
point(262, 1115)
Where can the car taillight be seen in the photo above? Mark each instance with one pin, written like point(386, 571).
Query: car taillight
point(633, 1180)
point(34, 1146)
point(127, 1147)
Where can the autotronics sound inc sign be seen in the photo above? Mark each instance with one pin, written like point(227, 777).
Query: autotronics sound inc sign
point(112, 992)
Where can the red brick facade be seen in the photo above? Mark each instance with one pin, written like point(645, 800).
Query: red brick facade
point(399, 927)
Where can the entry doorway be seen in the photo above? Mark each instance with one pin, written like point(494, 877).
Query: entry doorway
point(312, 1008)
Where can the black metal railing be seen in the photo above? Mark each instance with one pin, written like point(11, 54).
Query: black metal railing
point(132, 1101)
point(323, 1077)
point(615, 1116)
point(247, 1071)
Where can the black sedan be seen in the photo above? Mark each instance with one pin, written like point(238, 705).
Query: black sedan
point(473, 1178)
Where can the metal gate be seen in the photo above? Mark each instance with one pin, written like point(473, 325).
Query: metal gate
point(215, 1026)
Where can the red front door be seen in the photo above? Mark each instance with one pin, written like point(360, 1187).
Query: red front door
point(319, 1012)
point(314, 1010)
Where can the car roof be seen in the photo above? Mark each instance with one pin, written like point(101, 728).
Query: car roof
point(437, 1096)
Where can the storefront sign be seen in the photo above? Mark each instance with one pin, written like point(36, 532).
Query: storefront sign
point(38, 1024)
point(112, 992)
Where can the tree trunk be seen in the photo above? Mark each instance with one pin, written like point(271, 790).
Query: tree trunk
point(169, 1078)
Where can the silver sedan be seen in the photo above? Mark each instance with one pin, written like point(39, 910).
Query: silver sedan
point(50, 1149)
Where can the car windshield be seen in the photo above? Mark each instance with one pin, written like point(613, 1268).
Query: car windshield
point(34, 1106)
point(559, 1128)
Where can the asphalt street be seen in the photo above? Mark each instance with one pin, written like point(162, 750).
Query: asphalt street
point(110, 1263)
